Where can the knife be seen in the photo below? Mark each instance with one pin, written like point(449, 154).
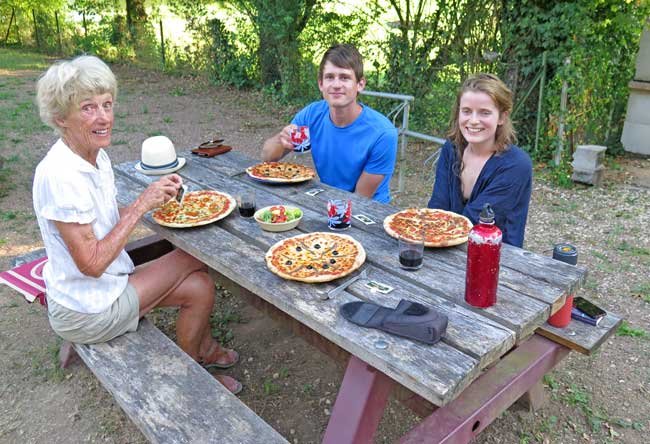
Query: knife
point(336, 291)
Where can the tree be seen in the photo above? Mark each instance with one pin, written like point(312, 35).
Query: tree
point(136, 19)
point(278, 24)
point(599, 39)
point(430, 35)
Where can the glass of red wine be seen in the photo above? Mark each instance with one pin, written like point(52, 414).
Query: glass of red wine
point(246, 203)
point(411, 252)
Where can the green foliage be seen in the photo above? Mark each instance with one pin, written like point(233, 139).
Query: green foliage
point(231, 65)
point(591, 45)
point(626, 330)
point(427, 52)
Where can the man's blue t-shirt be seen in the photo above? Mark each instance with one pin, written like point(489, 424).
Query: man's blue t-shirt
point(341, 154)
point(505, 182)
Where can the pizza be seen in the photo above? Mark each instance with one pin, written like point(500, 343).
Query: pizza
point(441, 228)
point(280, 172)
point(199, 208)
point(315, 257)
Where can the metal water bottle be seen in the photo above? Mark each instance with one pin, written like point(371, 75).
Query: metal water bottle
point(483, 255)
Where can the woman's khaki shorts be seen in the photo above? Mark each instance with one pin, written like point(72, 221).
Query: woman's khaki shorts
point(85, 328)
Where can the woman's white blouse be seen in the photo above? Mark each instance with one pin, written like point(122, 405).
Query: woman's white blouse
point(69, 189)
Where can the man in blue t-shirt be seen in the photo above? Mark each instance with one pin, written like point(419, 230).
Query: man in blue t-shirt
point(353, 146)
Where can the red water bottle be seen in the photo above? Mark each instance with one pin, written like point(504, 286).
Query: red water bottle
point(483, 255)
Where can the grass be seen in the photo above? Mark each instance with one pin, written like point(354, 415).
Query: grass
point(220, 321)
point(45, 363)
point(178, 92)
point(13, 60)
point(626, 330)
point(6, 184)
point(633, 250)
point(270, 387)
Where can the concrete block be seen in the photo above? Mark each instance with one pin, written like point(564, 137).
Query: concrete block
point(643, 57)
point(594, 177)
point(636, 138)
point(588, 157)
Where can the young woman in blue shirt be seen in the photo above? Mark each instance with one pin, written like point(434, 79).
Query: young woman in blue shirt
point(480, 162)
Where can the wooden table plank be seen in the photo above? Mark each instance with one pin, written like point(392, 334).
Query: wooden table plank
point(467, 331)
point(476, 338)
point(470, 332)
point(514, 310)
point(436, 372)
point(581, 337)
point(515, 273)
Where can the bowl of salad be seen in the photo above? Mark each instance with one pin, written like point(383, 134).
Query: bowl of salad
point(278, 217)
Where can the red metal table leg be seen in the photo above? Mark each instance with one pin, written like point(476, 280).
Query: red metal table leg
point(359, 405)
point(487, 397)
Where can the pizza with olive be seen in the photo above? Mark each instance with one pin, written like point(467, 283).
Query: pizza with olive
point(280, 172)
point(199, 208)
point(315, 257)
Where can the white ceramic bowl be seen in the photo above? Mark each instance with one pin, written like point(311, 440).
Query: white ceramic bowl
point(281, 226)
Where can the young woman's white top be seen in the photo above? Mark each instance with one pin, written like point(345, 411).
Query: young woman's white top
point(69, 189)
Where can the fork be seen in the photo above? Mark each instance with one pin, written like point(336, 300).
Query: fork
point(336, 291)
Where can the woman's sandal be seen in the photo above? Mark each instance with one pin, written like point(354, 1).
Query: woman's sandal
point(230, 383)
point(216, 351)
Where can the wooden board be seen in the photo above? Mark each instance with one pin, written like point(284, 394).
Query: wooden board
point(516, 311)
point(476, 338)
point(581, 337)
point(437, 372)
point(169, 396)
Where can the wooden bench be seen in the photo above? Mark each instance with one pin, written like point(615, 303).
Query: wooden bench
point(168, 395)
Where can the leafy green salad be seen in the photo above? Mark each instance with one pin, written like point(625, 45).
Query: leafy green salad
point(279, 213)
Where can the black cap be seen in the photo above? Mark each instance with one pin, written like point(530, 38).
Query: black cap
point(566, 253)
point(487, 214)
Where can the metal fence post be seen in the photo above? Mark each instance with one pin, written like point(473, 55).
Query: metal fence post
point(162, 43)
point(540, 102)
point(403, 144)
point(58, 32)
point(38, 41)
point(557, 158)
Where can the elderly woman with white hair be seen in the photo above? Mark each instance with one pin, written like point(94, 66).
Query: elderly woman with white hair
point(94, 292)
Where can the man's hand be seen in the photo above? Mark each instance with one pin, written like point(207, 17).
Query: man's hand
point(276, 147)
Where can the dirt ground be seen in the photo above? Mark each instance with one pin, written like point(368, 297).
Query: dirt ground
point(599, 399)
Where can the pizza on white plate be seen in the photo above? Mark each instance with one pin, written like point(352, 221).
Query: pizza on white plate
point(280, 172)
point(440, 228)
point(199, 208)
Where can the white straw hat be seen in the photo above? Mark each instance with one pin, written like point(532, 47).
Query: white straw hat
point(159, 157)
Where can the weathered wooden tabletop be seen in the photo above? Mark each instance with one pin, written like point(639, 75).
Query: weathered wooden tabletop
point(531, 287)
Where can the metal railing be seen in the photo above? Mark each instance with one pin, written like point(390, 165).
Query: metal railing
point(404, 107)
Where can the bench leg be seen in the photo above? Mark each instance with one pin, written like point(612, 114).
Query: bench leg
point(359, 405)
point(67, 354)
point(535, 398)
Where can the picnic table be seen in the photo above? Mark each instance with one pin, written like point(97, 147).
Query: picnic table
point(488, 359)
